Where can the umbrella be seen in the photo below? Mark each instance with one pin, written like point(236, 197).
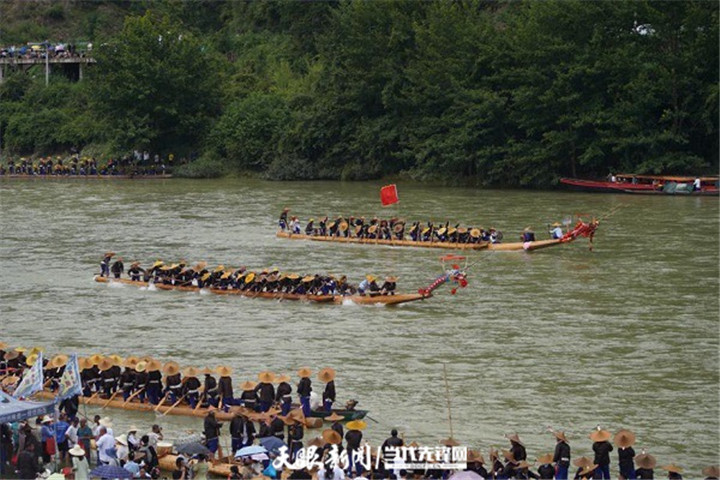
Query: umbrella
point(251, 450)
point(466, 475)
point(110, 471)
point(272, 444)
point(193, 448)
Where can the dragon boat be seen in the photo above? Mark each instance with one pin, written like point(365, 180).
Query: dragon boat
point(581, 229)
point(334, 299)
point(186, 410)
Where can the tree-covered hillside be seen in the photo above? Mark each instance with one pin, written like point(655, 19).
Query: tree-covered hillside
point(480, 92)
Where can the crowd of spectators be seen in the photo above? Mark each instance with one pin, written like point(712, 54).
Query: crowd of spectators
point(32, 50)
point(138, 163)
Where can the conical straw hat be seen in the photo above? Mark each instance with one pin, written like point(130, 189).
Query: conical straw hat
point(171, 368)
point(326, 374)
point(304, 372)
point(266, 377)
point(624, 438)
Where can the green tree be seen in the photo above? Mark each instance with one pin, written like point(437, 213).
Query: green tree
point(155, 86)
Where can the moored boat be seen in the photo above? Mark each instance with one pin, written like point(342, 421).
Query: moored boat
point(646, 184)
point(335, 299)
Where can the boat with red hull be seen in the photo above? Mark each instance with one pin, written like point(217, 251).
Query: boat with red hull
point(646, 184)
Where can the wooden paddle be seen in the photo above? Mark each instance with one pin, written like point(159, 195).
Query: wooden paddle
point(201, 396)
point(160, 403)
point(133, 396)
point(174, 405)
point(92, 397)
point(110, 399)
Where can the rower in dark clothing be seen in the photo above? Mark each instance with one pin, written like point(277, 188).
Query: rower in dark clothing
point(211, 389)
point(497, 466)
point(191, 386)
point(390, 446)
point(154, 385)
point(265, 391)
point(283, 394)
point(304, 389)
point(249, 396)
point(310, 227)
point(127, 382)
point(561, 456)
point(283, 223)
point(528, 235)
point(546, 471)
point(141, 381)
point(602, 449)
point(117, 268)
point(173, 381)
point(135, 272)
point(674, 472)
point(105, 264)
point(583, 464)
point(624, 439)
point(225, 387)
point(645, 463)
point(509, 470)
point(517, 448)
point(388, 287)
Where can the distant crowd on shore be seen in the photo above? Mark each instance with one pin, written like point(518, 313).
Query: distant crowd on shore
point(32, 50)
point(138, 163)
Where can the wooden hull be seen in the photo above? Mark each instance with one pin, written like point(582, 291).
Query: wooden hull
point(201, 412)
point(145, 407)
point(407, 243)
point(599, 186)
point(335, 299)
point(529, 246)
point(392, 243)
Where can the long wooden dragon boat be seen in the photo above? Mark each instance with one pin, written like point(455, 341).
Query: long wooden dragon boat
point(512, 246)
point(185, 410)
point(378, 241)
point(335, 299)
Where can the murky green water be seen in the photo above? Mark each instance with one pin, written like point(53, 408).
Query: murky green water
point(625, 336)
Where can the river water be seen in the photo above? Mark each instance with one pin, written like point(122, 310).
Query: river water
point(625, 336)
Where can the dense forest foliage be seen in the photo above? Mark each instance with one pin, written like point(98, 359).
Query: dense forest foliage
point(482, 92)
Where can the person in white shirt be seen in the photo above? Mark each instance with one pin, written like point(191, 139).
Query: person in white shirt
point(104, 443)
point(132, 440)
point(155, 436)
point(71, 433)
point(696, 184)
point(122, 448)
point(107, 423)
point(556, 231)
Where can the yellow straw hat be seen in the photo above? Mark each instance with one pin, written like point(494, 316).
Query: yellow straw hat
point(332, 437)
point(141, 366)
point(190, 372)
point(106, 364)
point(326, 374)
point(171, 368)
point(248, 385)
point(154, 366)
point(223, 371)
point(95, 359)
point(131, 362)
point(356, 425)
point(304, 372)
point(266, 377)
point(30, 361)
point(600, 435)
point(58, 361)
point(282, 378)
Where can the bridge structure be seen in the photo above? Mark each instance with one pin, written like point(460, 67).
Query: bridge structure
point(72, 66)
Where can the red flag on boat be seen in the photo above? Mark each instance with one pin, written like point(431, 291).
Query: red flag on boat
point(388, 195)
